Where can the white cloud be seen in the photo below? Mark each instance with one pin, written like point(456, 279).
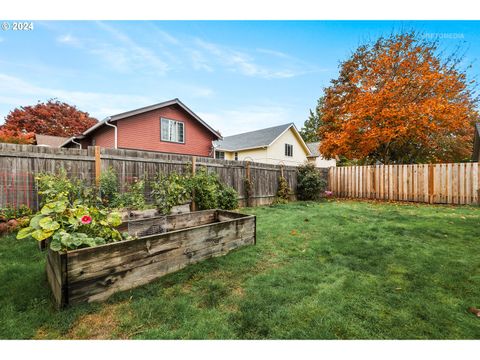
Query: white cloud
point(247, 64)
point(159, 52)
point(139, 54)
point(69, 40)
point(274, 53)
point(199, 61)
point(16, 92)
point(122, 55)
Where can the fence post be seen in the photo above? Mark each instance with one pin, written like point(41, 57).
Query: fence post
point(98, 166)
point(431, 174)
point(194, 169)
point(248, 184)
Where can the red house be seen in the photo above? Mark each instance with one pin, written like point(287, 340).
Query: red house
point(169, 127)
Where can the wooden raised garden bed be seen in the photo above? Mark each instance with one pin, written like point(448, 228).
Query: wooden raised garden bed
point(164, 245)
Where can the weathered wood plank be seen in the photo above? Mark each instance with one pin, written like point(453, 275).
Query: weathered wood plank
point(93, 274)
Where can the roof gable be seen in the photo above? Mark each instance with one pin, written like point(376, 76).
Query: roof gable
point(49, 140)
point(252, 139)
point(142, 110)
point(313, 147)
point(258, 138)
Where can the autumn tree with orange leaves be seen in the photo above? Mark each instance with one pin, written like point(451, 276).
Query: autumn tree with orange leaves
point(397, 101)
point(51, 118)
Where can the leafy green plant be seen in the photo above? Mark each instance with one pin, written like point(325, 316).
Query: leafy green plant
point(284, 191)
point(10, 212)
point(109, 187)
point(63, 222)
point(205, 186)
point(50, 185)
point(171, 190)
point(12, 219)
point(227, 198)
point(310, 183)
point(133, 198)
point(210, 193)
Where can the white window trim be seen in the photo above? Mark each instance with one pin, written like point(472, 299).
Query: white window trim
point(219, 151)
point(176, 122)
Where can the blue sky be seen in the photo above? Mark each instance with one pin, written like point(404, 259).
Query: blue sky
point(237, 75)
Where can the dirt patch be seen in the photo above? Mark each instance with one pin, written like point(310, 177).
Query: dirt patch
point(238, 291)
point(41, 334)
point(98, 326)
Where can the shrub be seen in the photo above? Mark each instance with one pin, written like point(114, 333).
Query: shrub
point(309, 182)
point(205, 186)
point(210, 193)
point(171, 190)
point(50, 185)
point(109, 188)
point(133, 198)
point(72, 225)
point(284, 191)
point(227, 198)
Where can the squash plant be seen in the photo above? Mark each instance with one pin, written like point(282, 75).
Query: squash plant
point(72, 226)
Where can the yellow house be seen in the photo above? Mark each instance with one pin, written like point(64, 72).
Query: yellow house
point(276, 145)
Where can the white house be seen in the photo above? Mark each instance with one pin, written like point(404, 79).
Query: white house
point(317, 158)
point(275, 145)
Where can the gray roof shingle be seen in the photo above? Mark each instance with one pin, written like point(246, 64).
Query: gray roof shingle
point(251, 139)
point(313, 147)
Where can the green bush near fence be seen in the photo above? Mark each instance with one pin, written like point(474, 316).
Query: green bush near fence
point(310, 183)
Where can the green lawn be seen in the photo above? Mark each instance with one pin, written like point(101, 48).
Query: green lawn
point(331, 270)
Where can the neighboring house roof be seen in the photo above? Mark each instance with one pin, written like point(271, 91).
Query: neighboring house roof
point(313, 147)
point(142, 110)
point(256, 139)
point(49, 140)
point(476, 143)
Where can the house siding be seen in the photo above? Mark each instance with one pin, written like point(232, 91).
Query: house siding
point(142, 132)
point(319, 161)
point(104, 137)
point(275, 154)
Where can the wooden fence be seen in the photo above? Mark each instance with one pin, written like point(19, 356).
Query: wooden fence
point(20, 163)
point(457, 183)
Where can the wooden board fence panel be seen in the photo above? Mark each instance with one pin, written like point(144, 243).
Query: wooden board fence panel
point(430, 183)
point(19, 164)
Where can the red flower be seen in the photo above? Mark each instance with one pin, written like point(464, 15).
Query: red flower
point(86, 219)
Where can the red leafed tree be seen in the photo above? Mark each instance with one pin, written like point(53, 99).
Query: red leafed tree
point(16, 137)
point(399, 100)
point(51, 118)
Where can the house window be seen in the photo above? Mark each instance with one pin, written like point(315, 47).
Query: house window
point(220, 155)
point(172, 130)
point(288, 150)
point(236, 156)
